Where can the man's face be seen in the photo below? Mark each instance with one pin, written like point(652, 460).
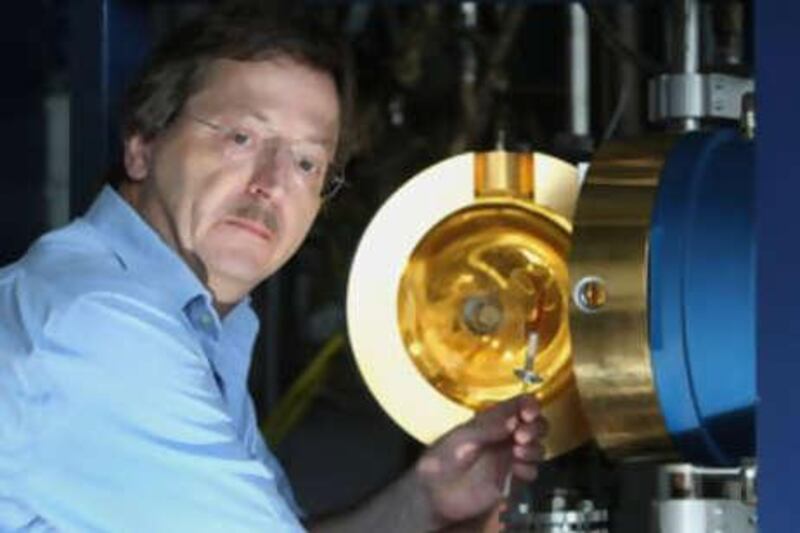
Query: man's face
point(233, 184)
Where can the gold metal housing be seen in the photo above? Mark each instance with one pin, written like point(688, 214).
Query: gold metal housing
point(608, 314)
point(453, 272)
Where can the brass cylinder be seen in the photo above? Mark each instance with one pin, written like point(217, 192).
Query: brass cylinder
point(504, 175)
point(609, 309)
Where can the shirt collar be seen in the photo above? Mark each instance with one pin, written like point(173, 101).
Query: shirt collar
point(142, 251)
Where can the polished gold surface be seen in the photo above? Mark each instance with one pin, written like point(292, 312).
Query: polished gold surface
point(608, 313)
point(504, 175)
point(477, 284)
point(452, 273)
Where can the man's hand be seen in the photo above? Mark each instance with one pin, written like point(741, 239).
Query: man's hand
point(462, 475)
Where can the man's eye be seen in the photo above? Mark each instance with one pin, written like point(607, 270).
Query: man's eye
point(308, 166)
point(240, 138)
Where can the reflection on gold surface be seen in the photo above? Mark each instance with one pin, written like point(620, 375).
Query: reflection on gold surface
point(608, 317)
point(504, 174)
point(476, 285)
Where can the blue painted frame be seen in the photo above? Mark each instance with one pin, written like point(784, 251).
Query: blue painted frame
point(778, 262)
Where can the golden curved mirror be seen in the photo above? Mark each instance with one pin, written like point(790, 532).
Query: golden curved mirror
point(475, 287)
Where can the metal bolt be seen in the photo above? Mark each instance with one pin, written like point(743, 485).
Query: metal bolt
point(590, 294)
point(482, 314)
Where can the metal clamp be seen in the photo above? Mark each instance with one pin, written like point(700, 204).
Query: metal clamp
point(693, 95)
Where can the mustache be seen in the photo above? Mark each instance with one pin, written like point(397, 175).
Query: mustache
point(259, 213)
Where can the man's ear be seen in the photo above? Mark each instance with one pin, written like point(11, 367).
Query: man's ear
point(137, 157)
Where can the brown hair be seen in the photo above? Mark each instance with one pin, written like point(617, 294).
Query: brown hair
point(245, 31)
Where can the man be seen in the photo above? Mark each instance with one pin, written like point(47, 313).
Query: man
point(125, 337)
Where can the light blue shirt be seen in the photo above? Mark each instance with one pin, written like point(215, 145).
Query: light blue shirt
point(123, 400)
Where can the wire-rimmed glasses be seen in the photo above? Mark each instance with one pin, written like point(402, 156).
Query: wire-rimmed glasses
point(311, 167)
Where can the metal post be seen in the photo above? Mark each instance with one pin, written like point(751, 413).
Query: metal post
point(687, 46)
point(579, 71)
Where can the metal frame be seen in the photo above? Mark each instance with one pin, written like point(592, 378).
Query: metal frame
point(778, 261)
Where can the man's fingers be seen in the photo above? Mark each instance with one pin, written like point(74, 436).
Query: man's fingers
point(533, 453)
point(516, 422)
point(493, 424)
point(504, 418)
point(528, 407)
point(526, 433)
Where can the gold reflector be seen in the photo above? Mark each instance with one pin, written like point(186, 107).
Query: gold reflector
point(452, 273)
point(474, 287)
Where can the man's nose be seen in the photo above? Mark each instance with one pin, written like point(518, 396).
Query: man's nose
point(271, 172)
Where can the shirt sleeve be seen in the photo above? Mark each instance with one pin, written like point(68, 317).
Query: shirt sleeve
point(137, 437)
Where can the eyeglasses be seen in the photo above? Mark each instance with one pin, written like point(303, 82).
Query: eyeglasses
point(311, 168)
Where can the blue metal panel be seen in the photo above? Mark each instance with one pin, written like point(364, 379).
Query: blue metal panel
point(109, 38)
point(701, 300)
point(668, 352)
point(777, 192)
point(719, 295)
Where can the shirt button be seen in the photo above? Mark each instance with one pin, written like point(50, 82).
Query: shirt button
point(206, 320)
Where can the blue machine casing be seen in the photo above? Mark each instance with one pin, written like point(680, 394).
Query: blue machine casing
point(702, 296)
